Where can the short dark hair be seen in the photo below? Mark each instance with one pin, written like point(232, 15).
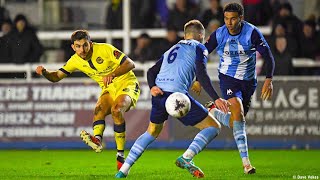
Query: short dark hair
point(7, 21)
point(144, 35)
point(193, 26)
point(234, 7)
point(310, 23)
point(20, 17)
point(80, 34)
point(286, 6)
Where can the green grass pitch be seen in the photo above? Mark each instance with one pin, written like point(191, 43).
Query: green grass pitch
point(156, 164)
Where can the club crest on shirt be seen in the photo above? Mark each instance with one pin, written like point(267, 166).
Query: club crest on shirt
point(233, 41)
point(116, 54)
point(99, 60)
point(229, 92)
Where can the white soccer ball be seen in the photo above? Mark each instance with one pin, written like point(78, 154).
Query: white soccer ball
point(178, 104)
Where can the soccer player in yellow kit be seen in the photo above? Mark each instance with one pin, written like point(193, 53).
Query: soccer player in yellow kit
point(112, 70)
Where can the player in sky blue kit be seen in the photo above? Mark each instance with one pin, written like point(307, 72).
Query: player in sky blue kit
point(236, 43)
point(175, 72)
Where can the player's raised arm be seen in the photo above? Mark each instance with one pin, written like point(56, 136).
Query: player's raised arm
point(151, 78)
point(204, 79)
point(211, 43)
point(53, 76)
point(126, 66)
point(263, 48)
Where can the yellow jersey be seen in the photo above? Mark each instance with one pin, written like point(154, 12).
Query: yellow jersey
point(105, 59)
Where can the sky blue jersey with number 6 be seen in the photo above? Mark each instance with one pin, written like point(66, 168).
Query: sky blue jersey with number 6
point(178, 68)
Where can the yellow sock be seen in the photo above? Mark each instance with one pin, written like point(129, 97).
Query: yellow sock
point(98, 127)
point(120, 140)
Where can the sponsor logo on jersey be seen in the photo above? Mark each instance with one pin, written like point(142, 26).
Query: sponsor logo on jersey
point(117, 54)
point(235, 53)
point(108, 69)
point(99, 60)
point(126, 90)
point(136, 89)
point(233, 41)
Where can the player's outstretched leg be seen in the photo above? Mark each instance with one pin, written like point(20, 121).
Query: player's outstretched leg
point(222, 117)
point(202, 139)
point(136, 151)
point(92, 141)
point(238, 133)
point(240, 137)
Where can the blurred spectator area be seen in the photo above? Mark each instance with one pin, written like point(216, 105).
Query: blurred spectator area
point(57, 19)
point(57, 14)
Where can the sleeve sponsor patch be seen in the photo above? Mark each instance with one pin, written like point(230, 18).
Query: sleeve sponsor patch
point(117, 54)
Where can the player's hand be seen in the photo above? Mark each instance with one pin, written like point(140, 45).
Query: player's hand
point(222, 104)
point(40, 69)
point(196, 87)
point(155, 91)
point(108, 79)
point(267, 89)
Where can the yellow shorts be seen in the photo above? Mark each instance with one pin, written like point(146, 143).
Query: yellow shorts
point(128, 87)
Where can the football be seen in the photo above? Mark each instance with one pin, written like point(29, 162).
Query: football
point(178, 104)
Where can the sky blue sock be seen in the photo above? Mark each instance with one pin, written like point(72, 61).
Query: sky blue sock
point(203, 138)
point(222, 117)
point(138, 148)
point(239, 134)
